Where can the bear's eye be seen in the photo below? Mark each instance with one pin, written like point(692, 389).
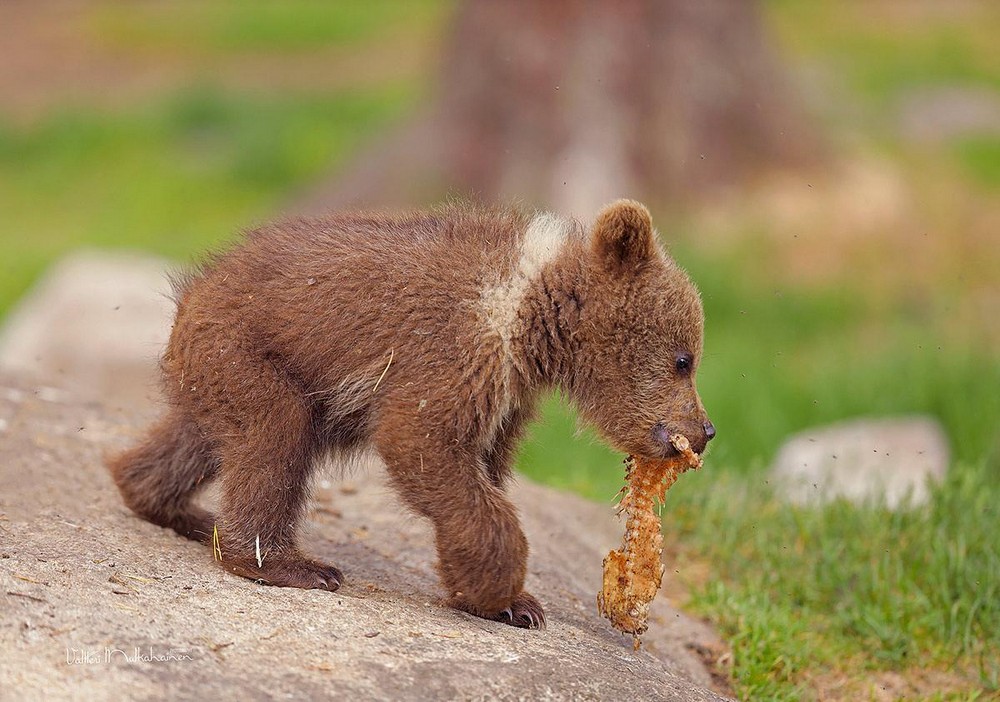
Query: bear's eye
point(683, 364)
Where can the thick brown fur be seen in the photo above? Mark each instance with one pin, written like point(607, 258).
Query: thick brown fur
point(426, 338)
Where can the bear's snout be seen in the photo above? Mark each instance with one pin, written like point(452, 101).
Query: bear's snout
point(699, 439)
point(709, 430)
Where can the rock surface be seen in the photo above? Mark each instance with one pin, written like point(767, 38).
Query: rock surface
point(96, 322)
point(81, 577)
point(890, 460)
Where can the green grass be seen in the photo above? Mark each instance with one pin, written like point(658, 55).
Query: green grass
point(980, 159)
point(228, 26)
point(881, 50)
point(173, 177)
point(802, 589)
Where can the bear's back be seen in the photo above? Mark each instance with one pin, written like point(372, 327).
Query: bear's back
point(351, 285)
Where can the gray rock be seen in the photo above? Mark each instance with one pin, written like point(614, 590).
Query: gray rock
point(862, 461)
point(82, 580)
point(940, 113)
point(95, 325)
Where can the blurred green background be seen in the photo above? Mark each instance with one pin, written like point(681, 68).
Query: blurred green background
point(168, 127)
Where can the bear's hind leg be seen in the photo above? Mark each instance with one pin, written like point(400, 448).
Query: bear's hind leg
point(159, 478)
point(268, 452)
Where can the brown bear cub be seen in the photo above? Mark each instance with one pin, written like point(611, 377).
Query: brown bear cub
point(425, 338)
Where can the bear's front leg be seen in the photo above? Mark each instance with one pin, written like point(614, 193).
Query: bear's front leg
point(482, 551)
point(483, 559)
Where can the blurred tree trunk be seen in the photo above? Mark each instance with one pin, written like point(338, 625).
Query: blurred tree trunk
point(570, 103)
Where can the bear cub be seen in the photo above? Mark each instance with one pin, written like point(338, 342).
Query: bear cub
point(425, 338)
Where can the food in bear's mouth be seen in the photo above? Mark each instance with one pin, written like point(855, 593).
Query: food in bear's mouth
point(632, 574)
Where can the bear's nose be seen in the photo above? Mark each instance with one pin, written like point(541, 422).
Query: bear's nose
point(709, 431)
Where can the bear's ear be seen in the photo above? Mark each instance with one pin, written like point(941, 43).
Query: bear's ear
point(623, 234)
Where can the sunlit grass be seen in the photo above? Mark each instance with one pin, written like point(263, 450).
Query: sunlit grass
point(803, 590)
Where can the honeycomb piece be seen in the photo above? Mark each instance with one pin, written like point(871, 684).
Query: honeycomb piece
point(632, 574)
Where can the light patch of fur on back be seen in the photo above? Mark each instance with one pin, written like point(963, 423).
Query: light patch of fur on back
point(541, 244)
